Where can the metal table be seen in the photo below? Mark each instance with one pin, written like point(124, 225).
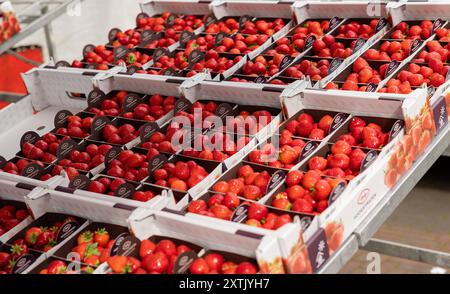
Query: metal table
point(362, 237)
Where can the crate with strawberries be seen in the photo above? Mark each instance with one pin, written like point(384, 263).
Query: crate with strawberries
point(429, 67)
point(157, 31)
point(117, 187)
point(163, 255)
point(38, 158)
point(155, 255)
point(321, 47)
point(231, 207)
point(188, 62)
point(297, 138)
point(279, 55)
point(372, 69)
point(31, 245)
point(136, 47)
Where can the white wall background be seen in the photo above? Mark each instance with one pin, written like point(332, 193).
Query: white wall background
point(71, 33)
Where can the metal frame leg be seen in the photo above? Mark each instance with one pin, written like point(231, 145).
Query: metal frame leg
point(419, 254)
point(47, 32)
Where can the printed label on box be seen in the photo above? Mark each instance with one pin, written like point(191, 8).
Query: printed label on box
point(210, 19)
point(169, 72)
point(334, 21)
point(147, 130)
point(3, 161)
point(335, 63)
point(275, 180)
point(393, 65)
point(309, 41)
point(112, 34)
point(223, 109)
point(437, 24)
point(66, 147)
point(381, 24)
point(182, 104)
point(66, 230)
point(130, 102)
point(397, 127)
point(125, 190)
point(185, 37)
point(29, 137)
point(159, 52)
point(359, 44)
point(98, 124)
point(184, 261)
point(120, 52)
point(22, 263)
point(371, 87)
point(126, 245)
point(156, 162)
point(414, 46)
point(62, 63)
point(240, 213)
point(305, 222)
point(370, 158)
point(132, 69)
point(243, 20)
point(338, 120)
point(149, 36)
point(318, 250)
point(170, 20)
point(440, 114)
point(309, 148)
point(112, 154)
point(94, 97)
point(195, 56)
point(33, 171)
point(260, 80)
point(88, 48)
point(219, 38)
point(142, 15)
point(337, 191)
point(430, 91)
point(285, 62)
point(61, 118)
point(80, 182)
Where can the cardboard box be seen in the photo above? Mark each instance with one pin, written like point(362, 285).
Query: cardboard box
point(365, 192)
point(214, 235)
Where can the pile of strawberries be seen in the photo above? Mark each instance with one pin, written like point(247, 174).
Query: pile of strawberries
point(218, 206)
point(215, 263)
point(153, 258)
point(157, 107)
point(110, 106)
point(249, 184)
point(180, 176)
point(10, 217)
point(305, 192)
point(259, 216)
